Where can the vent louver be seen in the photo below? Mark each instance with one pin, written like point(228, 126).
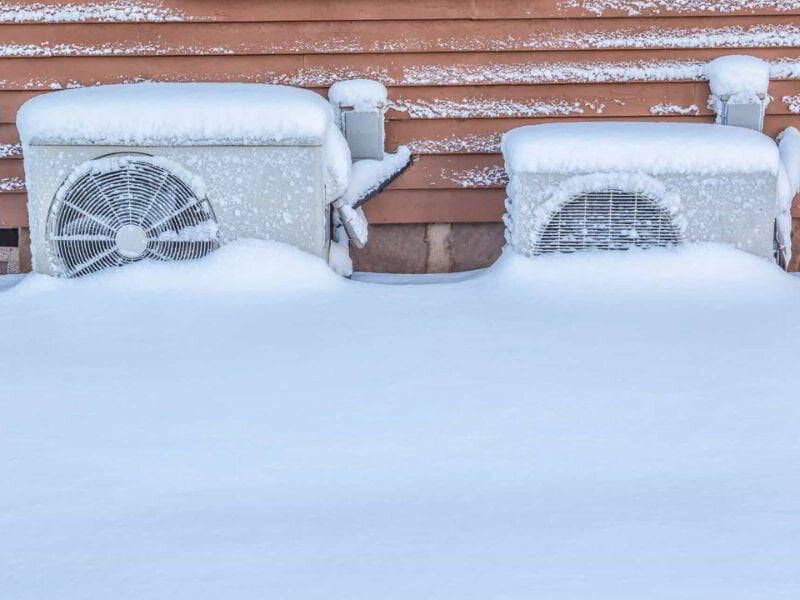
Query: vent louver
point(608, 220)
point(119, 210)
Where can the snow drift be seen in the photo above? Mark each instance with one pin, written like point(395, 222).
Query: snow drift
point(589, 426)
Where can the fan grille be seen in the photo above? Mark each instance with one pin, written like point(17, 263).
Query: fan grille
point(608, 220)
point(125, 211)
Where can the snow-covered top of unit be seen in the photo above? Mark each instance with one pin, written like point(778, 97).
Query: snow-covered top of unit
point(738, 74)
point(363, 95)
point(638, 147)
point(177, 114)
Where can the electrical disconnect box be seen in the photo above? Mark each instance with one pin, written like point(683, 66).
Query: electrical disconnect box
point(364, 133)
point(359, 106)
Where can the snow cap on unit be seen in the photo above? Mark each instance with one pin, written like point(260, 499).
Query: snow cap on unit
point(364, 95)
point(738, 75)
point(647, 147)
point(177, 114)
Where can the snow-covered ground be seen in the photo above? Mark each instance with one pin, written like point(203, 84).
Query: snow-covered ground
point(250, 425)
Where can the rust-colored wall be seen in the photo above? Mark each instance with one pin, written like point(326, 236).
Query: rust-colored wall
point(460, 73)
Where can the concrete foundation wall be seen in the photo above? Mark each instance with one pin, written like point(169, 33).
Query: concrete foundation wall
point(430, 248)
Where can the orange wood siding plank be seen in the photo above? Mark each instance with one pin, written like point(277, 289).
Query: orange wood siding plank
point(498, 9)
point(436, 206)
point(326, 10)
point(454, 171)
point(10, 102)
point(13, 210)
point(567, 100)
point(471, 69)
point(483, 135)
point(10, 148)
point(353, 37)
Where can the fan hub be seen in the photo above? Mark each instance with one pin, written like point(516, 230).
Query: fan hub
point(131, 241)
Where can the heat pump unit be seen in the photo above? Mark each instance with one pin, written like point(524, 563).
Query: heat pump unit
point(116, 174)
point(615, 186)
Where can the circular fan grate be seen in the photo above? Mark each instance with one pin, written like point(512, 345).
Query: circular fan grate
point(119, 210)
point(608, 220)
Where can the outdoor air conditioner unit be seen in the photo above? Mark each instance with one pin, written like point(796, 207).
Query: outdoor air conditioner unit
point(120, 173)
point(615, 186)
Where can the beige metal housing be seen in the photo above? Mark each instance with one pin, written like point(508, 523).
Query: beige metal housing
point(266, 192)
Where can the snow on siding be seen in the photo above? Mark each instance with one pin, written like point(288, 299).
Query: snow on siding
point(46, 50)
point(754, 36)
point(447, 75)
point(674, 109)
point(466, 144)
point(479, 177)
point(322, 77)
point(583, 72)
point(532, 73)
point(11, 184)
point(757, 36)
point(786, 68)
point(792, 103)
point(10, 150)
point(576, 72)
point(114, 11)
point(475, 108)
point(636, 7)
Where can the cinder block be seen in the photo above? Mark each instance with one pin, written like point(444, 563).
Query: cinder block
point(439, 258)
point(475, 245)
point(9, 260)
point(393, 249)
point(431, 248)
point(25, 265)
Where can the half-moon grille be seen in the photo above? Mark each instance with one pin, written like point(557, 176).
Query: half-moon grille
point(608, 220)
point(121, 210)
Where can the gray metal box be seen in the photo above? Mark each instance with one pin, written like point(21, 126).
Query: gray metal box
point(364, 134)
point(749, 115)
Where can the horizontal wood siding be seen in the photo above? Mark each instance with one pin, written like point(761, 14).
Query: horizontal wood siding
point(374, 10)
point(460, 73)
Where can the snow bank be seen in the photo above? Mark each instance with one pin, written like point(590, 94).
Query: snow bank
point(176, 114)
point(652, 147)
point(671, 274)
point(369, 175)
point(738, 75)
point(363, 95)
point(585, 427)
point(241, 267)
